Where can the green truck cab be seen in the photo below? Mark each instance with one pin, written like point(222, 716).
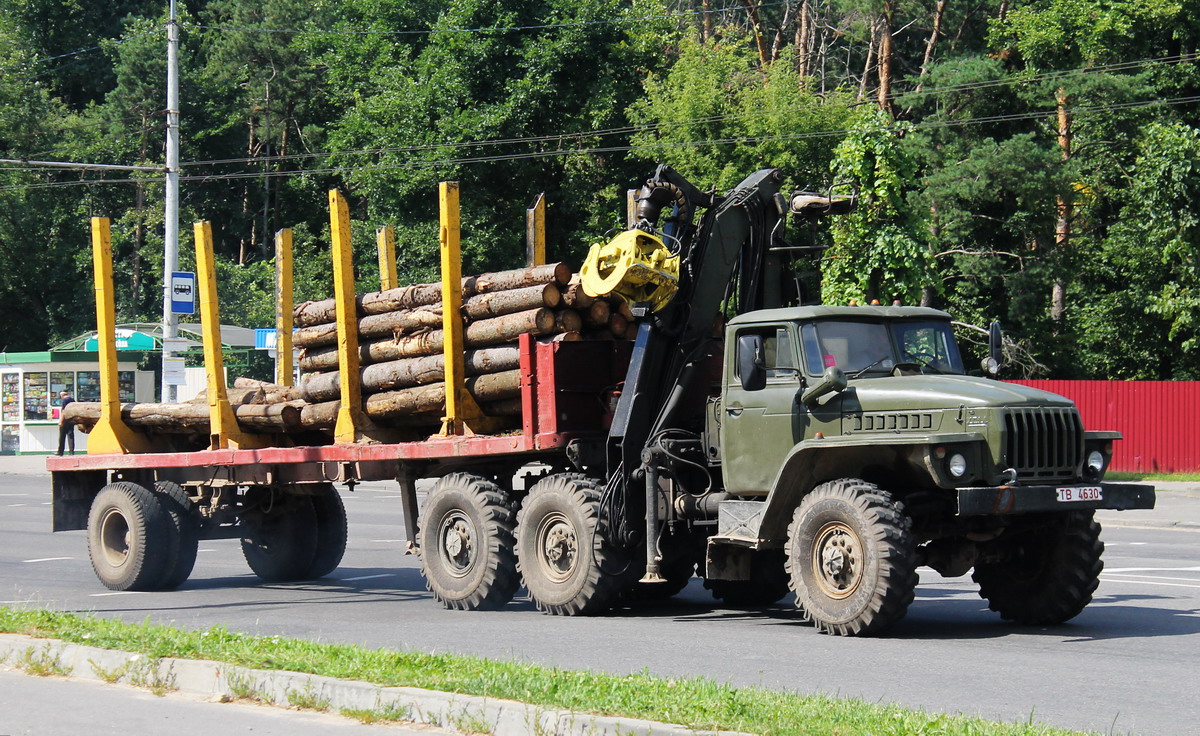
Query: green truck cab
point(854, 440)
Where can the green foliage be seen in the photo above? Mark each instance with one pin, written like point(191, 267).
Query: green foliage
point(879, 250)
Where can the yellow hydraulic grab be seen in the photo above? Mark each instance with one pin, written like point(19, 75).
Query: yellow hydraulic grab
point(634, 264)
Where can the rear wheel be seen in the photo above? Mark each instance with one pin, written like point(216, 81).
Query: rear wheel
point(180, 557)
point(851, 558)
point(768, 582)
point(1043, 575)
point(280, 541)
point(128, 529)
point(465, 536)
point(331, 531)
point(563, 550)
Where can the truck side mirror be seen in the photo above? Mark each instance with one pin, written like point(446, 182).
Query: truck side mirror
point(995, 349)
point(752, 369)
point(833, 380)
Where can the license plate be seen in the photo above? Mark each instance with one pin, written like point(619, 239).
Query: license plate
point(1080, 493)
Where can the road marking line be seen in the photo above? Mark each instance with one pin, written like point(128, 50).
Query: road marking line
point(1138, 544)
point(380, 498)
point(1195, 568)
point(14, 505)
point(1149, 582)
point(48, 559)
point(206, 550)
point(7, 495)
point(1151, 577)
point(368, 577)
point(388, 541)
point(117, 592)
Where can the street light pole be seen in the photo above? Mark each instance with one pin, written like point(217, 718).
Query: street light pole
point(171, 215)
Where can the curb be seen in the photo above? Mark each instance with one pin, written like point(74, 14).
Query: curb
point(225, 682)
point(1177, 526)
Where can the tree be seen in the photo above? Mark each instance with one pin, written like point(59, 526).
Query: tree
point(880, 249)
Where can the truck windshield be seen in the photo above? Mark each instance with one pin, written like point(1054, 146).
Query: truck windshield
point(877, 347)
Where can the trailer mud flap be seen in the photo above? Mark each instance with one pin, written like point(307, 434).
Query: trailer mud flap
point(73, 494)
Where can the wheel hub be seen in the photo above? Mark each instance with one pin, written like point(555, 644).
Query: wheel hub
point(115, 537)
point(837, 560)
point(457, 542)
point(559, 546)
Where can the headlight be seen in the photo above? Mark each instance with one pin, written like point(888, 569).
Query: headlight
point(957, 465)
point(1095, 462)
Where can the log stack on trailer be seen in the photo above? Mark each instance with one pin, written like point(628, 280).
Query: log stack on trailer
point(401, 357)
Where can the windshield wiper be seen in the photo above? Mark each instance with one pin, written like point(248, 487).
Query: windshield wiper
point(861, 371)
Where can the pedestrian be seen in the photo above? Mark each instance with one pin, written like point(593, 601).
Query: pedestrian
point(66, 432)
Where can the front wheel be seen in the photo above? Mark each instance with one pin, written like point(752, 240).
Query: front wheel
point(851, 558)
point(465, 536)
point(1043, 575)
point(563, 549)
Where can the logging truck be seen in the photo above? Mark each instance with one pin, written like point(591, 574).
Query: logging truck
point(719, 429)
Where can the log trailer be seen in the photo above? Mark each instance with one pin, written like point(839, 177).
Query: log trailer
point(823, 450)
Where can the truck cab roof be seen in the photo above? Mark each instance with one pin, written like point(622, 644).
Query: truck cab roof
point(821, 311)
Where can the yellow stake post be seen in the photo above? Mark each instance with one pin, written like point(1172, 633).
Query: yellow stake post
point(111, 434)
point(460, 405)
point(385, 239)
point(283, 307)
point(535, 232)
point(351, 420)
point(223, 430)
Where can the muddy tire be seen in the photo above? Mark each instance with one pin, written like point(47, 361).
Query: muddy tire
point(127, 530)
point(768, 584)
point(332, 531)
point(180, 551)
point(280, 541)
point(1044, 575)
point(563, 550)
point(466, 539)
point(851, 558)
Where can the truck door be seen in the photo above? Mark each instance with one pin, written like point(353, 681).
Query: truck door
point(759, 428)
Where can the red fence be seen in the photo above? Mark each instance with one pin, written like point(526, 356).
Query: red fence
point(1160, 420)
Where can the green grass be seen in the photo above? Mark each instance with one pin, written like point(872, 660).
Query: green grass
point(694, 702)
point(1184, 477)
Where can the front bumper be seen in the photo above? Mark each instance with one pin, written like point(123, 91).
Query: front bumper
point(999, 500)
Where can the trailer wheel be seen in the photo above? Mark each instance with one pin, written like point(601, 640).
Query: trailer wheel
point(851, 557)
point(768, 583)
point(127, 531)
point(465, 536)
point(563, 550)
point(280, 541)
point(331, 531)
point(1044, 576)
point(180, 555)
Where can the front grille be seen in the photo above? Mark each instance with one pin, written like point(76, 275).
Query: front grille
point(1043, 443)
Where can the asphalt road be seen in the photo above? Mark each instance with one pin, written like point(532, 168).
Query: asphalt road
point(1127, 664)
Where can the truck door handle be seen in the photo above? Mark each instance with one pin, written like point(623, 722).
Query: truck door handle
point(733, 410)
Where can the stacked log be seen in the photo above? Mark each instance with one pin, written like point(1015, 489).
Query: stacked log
point(402, 366)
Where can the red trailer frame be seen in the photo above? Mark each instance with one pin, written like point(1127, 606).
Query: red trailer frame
point(565, 387)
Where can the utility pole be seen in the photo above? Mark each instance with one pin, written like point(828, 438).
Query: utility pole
point(171, 216)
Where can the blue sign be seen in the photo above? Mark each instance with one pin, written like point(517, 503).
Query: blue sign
point(183, 292)
point(264, 338)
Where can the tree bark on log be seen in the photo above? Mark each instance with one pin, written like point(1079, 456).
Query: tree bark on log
point(618, 325)
point(420, 319)
point(423, 295)
point(237, 396)
point(481, 334)
point(396, 374)
point(418, 400)
point(188, 418)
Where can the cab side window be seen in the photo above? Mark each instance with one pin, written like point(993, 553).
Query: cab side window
point(778, 354)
